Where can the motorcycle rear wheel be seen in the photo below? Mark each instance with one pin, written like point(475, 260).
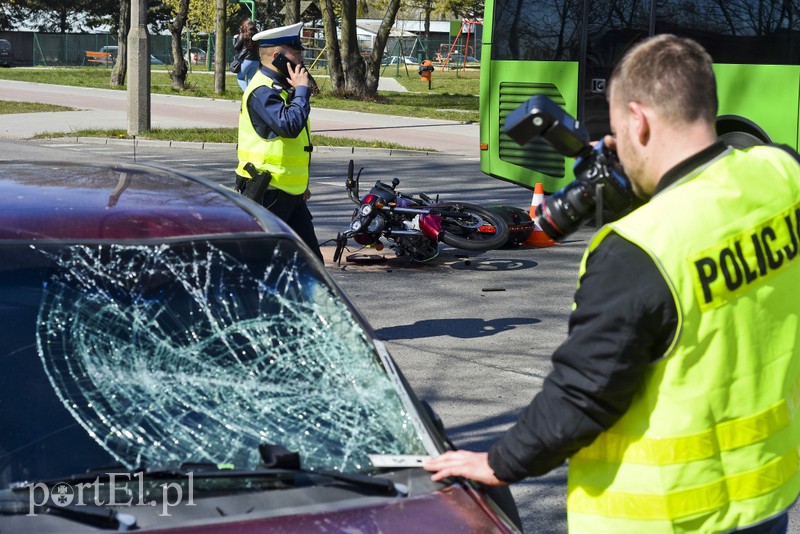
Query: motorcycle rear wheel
point(463, 230)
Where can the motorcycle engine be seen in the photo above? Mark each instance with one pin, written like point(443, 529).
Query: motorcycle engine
point(420, 248)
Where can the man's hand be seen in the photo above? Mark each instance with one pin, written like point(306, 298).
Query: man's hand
point(298, 76)
point(471, 465)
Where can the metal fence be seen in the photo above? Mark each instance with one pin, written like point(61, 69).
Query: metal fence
point(69, 49)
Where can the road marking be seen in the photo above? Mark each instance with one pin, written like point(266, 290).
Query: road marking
point(332, 184)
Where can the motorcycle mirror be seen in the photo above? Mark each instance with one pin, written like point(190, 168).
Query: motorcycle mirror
point(350, 183)
point(395, 182)
point(341, 242)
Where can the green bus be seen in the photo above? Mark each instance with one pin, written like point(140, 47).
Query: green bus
point(566, 49)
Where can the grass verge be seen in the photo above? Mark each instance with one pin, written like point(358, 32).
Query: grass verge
point(453, 94)
point(8, 107)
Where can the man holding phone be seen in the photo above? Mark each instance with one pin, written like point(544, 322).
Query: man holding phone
point(274, 131)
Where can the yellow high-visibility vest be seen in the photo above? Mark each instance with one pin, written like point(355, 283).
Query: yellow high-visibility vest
point(710, 442)
point(286, 159)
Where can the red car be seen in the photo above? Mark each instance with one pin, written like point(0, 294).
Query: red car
point(176, 360)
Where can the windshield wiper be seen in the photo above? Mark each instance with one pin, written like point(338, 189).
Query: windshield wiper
point(276, 461)
point(88, 514)
point(279, 457)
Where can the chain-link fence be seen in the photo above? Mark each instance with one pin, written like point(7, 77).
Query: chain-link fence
point(70, 49)
point(75, 49)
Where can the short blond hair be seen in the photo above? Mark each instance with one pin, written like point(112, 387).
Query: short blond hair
point(670, 74)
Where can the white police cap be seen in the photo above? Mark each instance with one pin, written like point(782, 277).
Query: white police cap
point(283, 36)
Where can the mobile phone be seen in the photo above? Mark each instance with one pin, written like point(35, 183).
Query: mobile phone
point(282, 63)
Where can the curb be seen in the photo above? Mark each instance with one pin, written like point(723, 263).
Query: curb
point(202, 145)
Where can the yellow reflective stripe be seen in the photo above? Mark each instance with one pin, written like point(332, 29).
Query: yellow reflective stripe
point(764, 479)
point(748, 430)
point(688, 502)
point(616, 448)
point(730, 435)
point(275, 159)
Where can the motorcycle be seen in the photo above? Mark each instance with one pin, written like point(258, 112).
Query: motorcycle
point(414, 225)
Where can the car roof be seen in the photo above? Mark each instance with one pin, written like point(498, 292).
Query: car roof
point(67, 201)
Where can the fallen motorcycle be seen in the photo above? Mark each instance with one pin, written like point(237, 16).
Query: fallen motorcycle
point(414, 225)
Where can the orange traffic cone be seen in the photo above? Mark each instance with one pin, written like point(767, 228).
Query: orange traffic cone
point(538, 238)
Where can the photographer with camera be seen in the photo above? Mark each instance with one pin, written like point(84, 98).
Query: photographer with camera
point(675, 394)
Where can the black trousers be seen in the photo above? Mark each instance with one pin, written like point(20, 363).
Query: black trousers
point(293, 210)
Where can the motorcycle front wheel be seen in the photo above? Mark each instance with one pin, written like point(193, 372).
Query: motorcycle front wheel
point(471, 227)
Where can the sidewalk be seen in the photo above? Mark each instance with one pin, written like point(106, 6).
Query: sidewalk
point(107, 108)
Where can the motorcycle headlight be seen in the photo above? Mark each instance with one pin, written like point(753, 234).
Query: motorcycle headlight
point(376, 225)
point(365, 210)
point(355, 225)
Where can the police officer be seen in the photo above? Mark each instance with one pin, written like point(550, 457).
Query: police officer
point(675, 395)
point(274, 132)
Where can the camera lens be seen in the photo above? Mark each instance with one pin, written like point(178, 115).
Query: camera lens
point(566, 210)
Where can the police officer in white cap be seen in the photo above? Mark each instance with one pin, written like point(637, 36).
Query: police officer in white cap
point(274, 132)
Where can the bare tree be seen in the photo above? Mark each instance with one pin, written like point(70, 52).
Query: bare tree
point(219, 49)
point(121, 65)
point(179, 67)
point(292, 12)
point(353, 76)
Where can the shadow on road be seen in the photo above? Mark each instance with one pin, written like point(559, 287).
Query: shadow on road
point(460, 328)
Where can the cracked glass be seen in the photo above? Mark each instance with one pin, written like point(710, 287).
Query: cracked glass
point(154, 354)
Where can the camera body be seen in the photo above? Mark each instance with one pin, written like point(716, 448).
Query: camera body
point(598, 173)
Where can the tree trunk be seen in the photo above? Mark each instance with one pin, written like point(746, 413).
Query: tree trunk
point(351, 77)
point(121, 65)
point(352, 62)
point(220, 62)
point(292, 12)
point(374, 71)
point(179, 68)
point(332, 43)
point(428, 10)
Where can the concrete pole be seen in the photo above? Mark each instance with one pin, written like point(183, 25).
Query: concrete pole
point(138, 70)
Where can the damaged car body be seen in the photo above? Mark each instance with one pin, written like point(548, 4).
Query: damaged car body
point(177, 360)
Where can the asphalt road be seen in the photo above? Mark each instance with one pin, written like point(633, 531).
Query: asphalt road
point(473, 333)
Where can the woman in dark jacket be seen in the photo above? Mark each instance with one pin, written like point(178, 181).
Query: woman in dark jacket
point(247, 52)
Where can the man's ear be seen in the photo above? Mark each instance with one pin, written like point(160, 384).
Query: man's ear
point(641, 122)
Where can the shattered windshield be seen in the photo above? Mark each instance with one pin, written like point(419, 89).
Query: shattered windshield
point(178, 352)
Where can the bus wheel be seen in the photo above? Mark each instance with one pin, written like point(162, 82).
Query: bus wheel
point(740, 139)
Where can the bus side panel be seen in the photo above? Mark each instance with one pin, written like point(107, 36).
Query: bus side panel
point(509, 84)
point(765, 94)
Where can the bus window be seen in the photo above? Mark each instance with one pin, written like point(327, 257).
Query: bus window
point(735, 32)
point(611, 30)
point(536, 30)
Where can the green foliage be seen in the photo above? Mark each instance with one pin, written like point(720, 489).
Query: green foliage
point(464, 9)
point(203, 14)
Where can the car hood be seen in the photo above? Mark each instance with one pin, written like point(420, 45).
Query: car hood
point(66, 201)
point(452, 509)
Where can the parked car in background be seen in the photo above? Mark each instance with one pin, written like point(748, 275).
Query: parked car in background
point(458, 61)
point(395, 60)
point(195, 56)
point(6, 53)
point(177, 359)
point(113, 50)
